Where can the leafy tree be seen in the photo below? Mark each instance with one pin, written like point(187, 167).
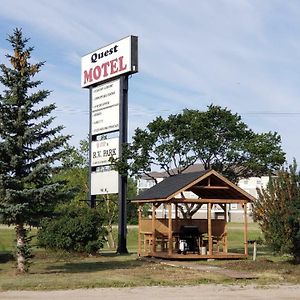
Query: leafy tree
point(277, 211)
point(216, 138)
point(74, 171)
point(132, 208)
point(28, 147)
point(109, 206)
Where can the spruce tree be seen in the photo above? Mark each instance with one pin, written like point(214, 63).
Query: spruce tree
point(29, 146)
point(277, 211)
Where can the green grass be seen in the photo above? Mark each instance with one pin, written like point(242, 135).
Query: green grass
point(53, 270)
point(236, 236)
point(7, 237)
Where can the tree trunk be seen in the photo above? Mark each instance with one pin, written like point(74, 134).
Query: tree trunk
point(20, 253)
point(110, 237)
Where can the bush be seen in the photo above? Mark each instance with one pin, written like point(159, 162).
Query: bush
point(78, 229)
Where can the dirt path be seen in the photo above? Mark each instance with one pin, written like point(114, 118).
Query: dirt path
point(208, 292)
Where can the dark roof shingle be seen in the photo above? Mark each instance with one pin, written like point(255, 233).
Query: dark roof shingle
point(169, 186)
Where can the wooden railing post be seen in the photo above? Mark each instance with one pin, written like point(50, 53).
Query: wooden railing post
point(225, 249)
point(210, 241)
point(139, 233)
point(170, 231)
point(245, 229)
point(153, 246)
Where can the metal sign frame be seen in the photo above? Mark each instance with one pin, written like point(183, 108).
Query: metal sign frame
point(122, 114)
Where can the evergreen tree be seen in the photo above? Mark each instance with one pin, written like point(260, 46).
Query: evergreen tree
point(277, 211)
point(29, 146)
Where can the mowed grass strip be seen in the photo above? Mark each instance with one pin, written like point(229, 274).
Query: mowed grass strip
point(102, 271)
point(57, 270)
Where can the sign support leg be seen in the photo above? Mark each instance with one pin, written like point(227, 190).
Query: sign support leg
point(91, 198)
point(122, 228)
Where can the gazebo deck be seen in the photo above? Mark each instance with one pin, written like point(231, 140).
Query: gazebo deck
point(195, 256)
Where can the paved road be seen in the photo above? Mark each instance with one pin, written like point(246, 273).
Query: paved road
point(207, 292)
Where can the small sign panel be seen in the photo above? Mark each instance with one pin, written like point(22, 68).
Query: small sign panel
point(103, 150)
point(104, 182)
point(106, 95)
point(105, 120)
point(111, 61)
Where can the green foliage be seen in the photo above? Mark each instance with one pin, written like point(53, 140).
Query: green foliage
point(277, 211)
point(74, 172)
point(216, 138)
point(75, 228)
point(29, 145)
point(132, 208)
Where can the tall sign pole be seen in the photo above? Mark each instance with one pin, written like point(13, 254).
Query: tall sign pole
point(105, 72)
point(122, 225)
point(92, 198)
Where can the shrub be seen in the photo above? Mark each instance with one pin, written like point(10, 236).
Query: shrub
point(75, 228)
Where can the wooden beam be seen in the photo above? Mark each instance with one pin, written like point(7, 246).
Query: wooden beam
point(211, 187)
point(245, 229)
point(200, 257)
point(170, 230)
point(176, 215)
point(225, 230)
point(153, 246)
point(140, 225)
point(207, 200)
point(210, 241)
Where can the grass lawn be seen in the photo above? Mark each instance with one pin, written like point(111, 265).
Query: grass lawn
point(67, 271)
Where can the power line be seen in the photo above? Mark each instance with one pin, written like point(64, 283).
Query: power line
point(73, 111)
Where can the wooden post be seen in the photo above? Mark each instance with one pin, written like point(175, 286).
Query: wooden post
point(254, 250)
point(153, 246)
point(225, 230)
point(210, 241)
point(170, 230)
point(139, 233)
point(176, 213)
point(245, 229)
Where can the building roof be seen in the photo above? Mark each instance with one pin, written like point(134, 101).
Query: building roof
point(208, 185)
point(175, 171)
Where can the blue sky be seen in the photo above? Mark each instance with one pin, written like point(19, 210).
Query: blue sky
point(241, 54)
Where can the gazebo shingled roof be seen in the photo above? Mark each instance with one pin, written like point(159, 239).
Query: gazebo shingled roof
point(221, 188)
point(169, 186)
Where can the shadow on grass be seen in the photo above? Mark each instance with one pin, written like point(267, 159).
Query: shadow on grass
point(6, 257)
point(78, 267)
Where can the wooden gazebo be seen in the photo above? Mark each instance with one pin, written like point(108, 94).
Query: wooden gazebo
point(167, 229)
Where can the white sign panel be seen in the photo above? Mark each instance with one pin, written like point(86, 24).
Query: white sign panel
point(106, 95)
point(113, 60)
point(105, 120)
point(103, 150)
point(105, 182)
